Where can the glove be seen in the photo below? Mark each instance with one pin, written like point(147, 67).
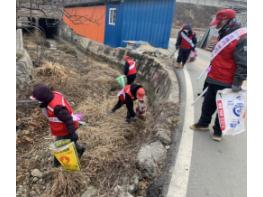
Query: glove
point(236, 88)
point(79, 116)
point(74, 137)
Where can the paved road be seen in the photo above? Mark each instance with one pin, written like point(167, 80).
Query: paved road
point(218, 169)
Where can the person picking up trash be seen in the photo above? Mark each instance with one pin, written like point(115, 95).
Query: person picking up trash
point(127, 96)
point(228, 67)
point(130, 69)
point(62, 121)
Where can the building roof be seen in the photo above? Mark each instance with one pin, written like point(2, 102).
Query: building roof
point(81, 3)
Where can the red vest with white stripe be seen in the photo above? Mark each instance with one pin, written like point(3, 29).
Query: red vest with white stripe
point(185, 44)
point(223, 66)
point(58, 128)
point(132, 67)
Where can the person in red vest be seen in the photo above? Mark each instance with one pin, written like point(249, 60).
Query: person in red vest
point(186, 42)
point(60, 115)
point(126, 96)
point(130, 69)
point(228, 67)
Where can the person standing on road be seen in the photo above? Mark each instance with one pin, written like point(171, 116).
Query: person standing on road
point(186, 42)
point(130, 69)
point(60, 115)
point(127, 96)
point(228, 67)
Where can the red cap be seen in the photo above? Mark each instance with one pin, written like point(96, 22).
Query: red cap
point(126, 58)
point(222, 15)
point(140, 94)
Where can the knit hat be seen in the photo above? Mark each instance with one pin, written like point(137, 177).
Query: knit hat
point(42, 93)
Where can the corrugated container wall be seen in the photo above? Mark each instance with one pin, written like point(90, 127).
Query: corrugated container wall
point(146, 20)
point(87, 21)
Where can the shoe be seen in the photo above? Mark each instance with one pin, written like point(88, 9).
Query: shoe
point(198, 127)
point(178, 65)
point(81, 151)
point(132, 119)
point(217, 138)
point(56, 163)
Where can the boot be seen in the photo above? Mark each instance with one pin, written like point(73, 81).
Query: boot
point(56, 163)
point(80, 150)
point(178, 65)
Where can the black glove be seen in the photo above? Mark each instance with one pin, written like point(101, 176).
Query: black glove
point(74, 137)
point(236, 88)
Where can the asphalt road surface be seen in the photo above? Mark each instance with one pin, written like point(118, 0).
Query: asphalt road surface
point(218, 169)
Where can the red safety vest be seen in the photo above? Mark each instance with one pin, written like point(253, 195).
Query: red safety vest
point(185, 44)
point(223, 66)
point(127, 90)
point(132, 67)
point(58, 128)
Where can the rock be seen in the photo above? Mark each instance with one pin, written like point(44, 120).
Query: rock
point(26, 132)
point(90, 192)
point(155, 189)
point(41, 181)
point(163, 136)
point(149, 157)
point(32, 193)
point(121, 191)
point(132, 188)
point(35, 179)
point(37, 173)
point(135, 179)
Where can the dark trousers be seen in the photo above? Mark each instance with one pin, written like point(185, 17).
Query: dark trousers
point(80, 149)
point(129, 106)
point(209, 108)
point(183, 55)
point(131, 79)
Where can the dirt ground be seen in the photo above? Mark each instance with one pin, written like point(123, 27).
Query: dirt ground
point(111, 144)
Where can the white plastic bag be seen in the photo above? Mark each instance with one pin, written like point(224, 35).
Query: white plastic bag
point(231, 108)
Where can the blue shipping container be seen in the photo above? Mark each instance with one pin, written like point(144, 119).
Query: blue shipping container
point(146, 20)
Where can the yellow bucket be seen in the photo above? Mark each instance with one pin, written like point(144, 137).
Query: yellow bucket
point(66, 153)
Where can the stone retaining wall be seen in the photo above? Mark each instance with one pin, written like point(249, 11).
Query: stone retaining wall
point(24, 65)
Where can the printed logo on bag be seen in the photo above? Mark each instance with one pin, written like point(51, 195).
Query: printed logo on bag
point(64, 159)
point(221, 116)
point(234, 124)
point(238, 109)
point(238, 97)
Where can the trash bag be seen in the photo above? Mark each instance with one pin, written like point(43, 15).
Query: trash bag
point(192, 56)
point(122, 80)
point(140, 110)
point(231, 108)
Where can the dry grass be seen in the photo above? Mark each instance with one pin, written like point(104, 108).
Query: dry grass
point(111, 143)
point(66, 184)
